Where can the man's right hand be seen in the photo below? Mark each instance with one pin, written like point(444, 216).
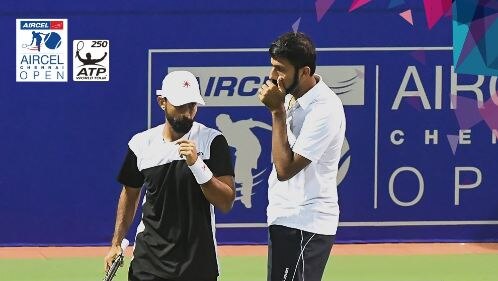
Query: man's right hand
point(114, 251)
point(273, 95)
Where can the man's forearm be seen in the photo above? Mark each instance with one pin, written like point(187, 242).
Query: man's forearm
point(220, 192)
point(127, 206)
point(281, 150)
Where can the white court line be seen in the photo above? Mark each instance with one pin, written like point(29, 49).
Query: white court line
point(372, 223)
point(418, 223)
point(376, 141)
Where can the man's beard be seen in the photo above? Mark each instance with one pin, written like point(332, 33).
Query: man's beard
point(292, 87)
point(181, 124)
point(295, 83)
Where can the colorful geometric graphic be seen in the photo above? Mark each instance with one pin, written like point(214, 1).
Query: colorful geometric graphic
point(358, 3)
point(295, 25)
point(453, 141)
point(322, 6)
point(435, 10)
point(466, 112)
point(489, 113)
point(475, 37)
point(420, 56)
point(407, 15)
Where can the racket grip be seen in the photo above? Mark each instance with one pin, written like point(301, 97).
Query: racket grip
point(118, 261)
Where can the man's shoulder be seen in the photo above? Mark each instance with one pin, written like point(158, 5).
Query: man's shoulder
point(144, 137)
point(206, 132)
point(148, 133)
point(326, 98)
point(327, 107)
point(204, 138)
point(206, 135)
point(324, 91)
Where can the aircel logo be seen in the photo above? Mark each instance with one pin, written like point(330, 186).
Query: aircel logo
point(238, 86)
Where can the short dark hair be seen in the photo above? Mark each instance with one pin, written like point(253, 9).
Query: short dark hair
point(297, 48)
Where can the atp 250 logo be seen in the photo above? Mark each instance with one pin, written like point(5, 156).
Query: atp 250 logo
point(91, 60)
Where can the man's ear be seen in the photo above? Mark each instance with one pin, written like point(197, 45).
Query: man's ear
point(161, 102)
point(306, 71)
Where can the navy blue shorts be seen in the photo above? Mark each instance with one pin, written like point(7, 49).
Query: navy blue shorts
point(297, 255)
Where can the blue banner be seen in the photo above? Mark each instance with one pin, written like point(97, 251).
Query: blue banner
point(419, 163)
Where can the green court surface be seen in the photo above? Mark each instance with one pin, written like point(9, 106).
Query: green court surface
point(340, 268)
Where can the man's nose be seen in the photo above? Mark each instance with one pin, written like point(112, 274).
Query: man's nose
point(273, 74)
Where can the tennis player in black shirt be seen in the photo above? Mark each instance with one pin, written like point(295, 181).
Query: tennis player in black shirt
point(185, 169)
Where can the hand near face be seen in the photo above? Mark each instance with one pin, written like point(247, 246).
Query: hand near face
point(188, 151)
point(272, 96)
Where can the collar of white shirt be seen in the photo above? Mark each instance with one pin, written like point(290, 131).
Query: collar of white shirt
point(305, 100)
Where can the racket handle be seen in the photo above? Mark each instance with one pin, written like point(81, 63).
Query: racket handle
point(118, 261)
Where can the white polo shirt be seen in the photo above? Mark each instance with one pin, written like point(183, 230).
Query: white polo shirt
point(316, 125)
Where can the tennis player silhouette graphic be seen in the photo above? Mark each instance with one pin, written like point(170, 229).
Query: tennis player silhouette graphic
point(247, 152)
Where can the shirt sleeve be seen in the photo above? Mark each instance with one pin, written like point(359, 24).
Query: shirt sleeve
point(220, 160)
point(318, 130)
point(129, 174)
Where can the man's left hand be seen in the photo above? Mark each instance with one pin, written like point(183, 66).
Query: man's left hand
point(272, 96)
point(188, 150)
